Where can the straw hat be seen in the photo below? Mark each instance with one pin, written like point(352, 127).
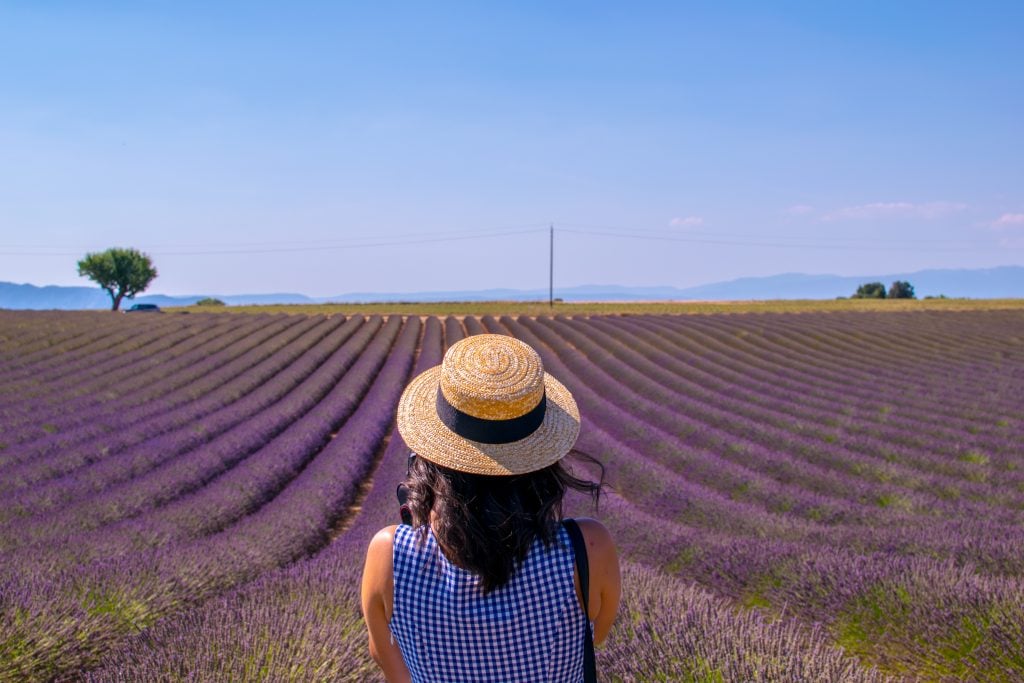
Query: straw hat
point(489, 408)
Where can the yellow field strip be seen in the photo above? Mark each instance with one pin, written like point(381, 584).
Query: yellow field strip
point(534, 308)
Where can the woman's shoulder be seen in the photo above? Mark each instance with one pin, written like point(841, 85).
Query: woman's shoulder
point(600, 544)
point(384, 537)
point(594, 531)
point(382, 546)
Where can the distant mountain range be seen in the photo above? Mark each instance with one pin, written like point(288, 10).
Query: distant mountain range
point(1002, 282)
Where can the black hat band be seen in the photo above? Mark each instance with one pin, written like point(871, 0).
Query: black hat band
point(490, 431)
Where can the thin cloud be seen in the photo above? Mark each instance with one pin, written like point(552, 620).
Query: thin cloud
point(1009, 221)
point(927, 210)
point(687, 222)
point(800, 210)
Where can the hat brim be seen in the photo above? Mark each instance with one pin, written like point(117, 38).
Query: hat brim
point(427, 436)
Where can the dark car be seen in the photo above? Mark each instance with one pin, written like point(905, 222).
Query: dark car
point(144, 308)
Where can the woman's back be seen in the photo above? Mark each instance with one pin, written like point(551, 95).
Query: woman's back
point(529, 629)
point(488, 430)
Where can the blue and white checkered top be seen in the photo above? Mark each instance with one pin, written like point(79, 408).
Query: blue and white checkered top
point(530, 629)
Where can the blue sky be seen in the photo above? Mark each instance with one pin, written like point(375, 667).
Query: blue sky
point(327, 148)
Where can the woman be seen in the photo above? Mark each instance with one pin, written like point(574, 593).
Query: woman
point(484, 584)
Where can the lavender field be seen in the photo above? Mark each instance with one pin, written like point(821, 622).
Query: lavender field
point(796, 497)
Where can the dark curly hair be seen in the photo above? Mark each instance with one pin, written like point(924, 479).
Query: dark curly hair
point(486, 524)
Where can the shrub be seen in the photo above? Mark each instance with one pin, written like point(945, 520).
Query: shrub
point(870, 290)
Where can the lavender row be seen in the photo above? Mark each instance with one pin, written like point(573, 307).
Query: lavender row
point(886, 413)
point(39, 415)
point(158, 473)
point(932, 345)
point(20, 334)
point(452, 329)
point(920, 616)
point(241, 489)
point(292, 524)
point(263, 341)
point(117, 367)
point(998, 546)
point(816, 372)
point(709, 409)
point(135, 347)
point(42, 334)
point(35, 391)
point(689, 422)
point(831, 585)
point(769, 360)
point(795, 404)
point(108, 402)
point(935, 337)
point(842, 397)
point(241, 378)
point(820, 363)
point(473, 325)
point(681, 502)
point(92, 335)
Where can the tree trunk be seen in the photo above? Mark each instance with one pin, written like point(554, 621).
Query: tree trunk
point(117, 300)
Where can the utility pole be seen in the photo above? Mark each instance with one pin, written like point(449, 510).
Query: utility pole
point(551, 269)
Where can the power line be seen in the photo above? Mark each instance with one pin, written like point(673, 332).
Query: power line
point(364, 242)
point(265, 248)
point(717, 234)
point(358, 245)
point(861, 245)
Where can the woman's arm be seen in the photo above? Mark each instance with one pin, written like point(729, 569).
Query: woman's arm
point(377, 594)
point(605, 581)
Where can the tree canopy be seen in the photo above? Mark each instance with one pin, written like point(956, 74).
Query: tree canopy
point(120, 272)
point(901, 289)
point(870, 290)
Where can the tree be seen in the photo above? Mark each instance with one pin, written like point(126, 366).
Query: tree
point(901, 289)
point(870, 290)
point(121, 272)
point(209, 301)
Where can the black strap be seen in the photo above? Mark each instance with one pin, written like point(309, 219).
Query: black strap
point(579, 550)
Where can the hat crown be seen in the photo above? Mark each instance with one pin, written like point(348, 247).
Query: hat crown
point(492, 377)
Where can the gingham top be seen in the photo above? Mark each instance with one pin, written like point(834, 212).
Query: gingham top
point(530, 629)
